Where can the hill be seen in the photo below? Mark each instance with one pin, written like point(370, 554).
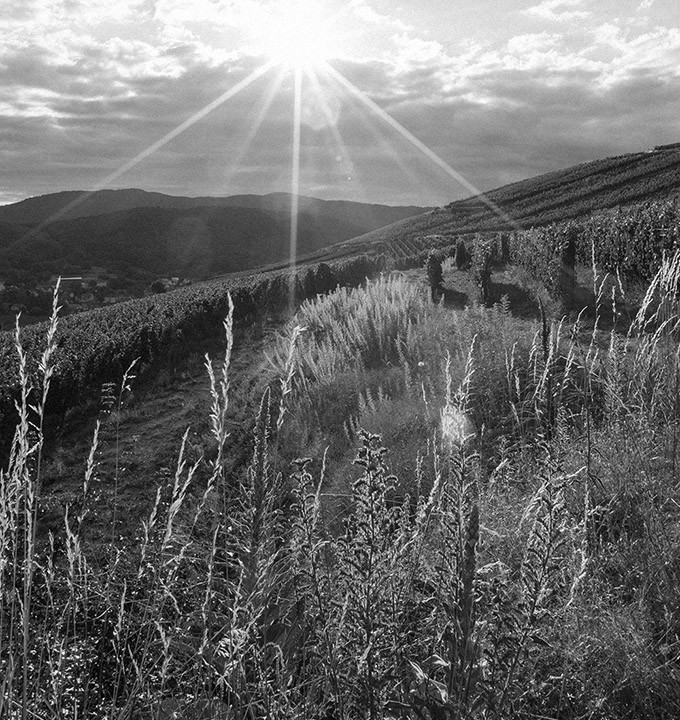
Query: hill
point(480, 502)
point(556, 524)
point(556, 196)
point(78, 203)
point(196, 242)
point(156, 234)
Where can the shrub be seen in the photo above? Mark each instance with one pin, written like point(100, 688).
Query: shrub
point(462, 256)
point(435, 275)
point(482, 256)
point(549, 255)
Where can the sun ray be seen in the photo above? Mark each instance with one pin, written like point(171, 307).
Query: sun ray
point(419, 145)
point(387, 148)
point(259, 119)
point(331, 124)
point(295, 181)
point(234, 90)
point(378, 132)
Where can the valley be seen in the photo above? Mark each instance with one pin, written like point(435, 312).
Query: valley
point(138, 237)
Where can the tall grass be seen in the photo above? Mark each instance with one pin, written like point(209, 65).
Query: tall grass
point(527, 564)
point(354, 327)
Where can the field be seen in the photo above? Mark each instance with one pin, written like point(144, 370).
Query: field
point(321, 494)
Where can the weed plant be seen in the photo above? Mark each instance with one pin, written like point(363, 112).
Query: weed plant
point(528, 564)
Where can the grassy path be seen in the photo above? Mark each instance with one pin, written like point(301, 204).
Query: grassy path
point(139, 443)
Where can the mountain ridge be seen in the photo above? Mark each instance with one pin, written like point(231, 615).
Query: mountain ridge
point(40, 209)
point(211, 236)
point(134, 231)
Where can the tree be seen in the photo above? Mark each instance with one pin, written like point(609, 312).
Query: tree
point(462, 255)
point(435, 275)
point(482, 255)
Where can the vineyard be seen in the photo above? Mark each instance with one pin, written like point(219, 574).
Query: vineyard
point(97, 346)
point(632, 242)
point(550, 198)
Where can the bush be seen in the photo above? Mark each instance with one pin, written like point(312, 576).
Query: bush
point(549, 256)
point(482, 257)
point(435, 275)
point(462, 256)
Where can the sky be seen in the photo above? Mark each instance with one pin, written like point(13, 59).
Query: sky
point(380, 101)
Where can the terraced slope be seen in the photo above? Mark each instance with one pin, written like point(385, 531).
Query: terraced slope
point(555, 196)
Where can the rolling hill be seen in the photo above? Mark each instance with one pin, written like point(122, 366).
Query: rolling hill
point(134, 231)
point(213, 522)
point(77, 203)
point(156, 234)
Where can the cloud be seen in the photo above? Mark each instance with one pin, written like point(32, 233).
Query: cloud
point(533, 42)
point(74, 111)
point(519, 122)
point(190, 11)
point(536, 103)
point(364, 12)
point(414, 50)
point(35, 17)
point(657, 50)
point(77, 100)
point(558, 10)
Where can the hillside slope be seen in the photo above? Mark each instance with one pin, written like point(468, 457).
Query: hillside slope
point(555, 196)
point(194, 243)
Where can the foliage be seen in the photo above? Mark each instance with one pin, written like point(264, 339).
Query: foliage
point(528, 573)
point(435, 276)
point(549, 255)
point(358, 328)
point(482, 257)
point(632, 241)
point(97, 346)
point(461, 254)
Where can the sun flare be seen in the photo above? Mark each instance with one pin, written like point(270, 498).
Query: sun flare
point(296, 34)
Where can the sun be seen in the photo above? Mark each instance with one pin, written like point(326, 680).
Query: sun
point(296, 34)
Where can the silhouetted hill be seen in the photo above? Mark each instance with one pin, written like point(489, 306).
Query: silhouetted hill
point(203, 237)
point(8, 234)
point(166, 235)
point(74, 204)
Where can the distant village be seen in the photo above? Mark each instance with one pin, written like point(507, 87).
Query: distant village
point(96, 288)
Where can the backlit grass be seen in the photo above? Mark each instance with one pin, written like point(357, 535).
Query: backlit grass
point(506, 543)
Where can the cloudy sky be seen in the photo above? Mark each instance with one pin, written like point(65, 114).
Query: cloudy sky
point(197, 97)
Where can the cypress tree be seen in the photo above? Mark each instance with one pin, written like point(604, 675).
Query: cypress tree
point(435, 275)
